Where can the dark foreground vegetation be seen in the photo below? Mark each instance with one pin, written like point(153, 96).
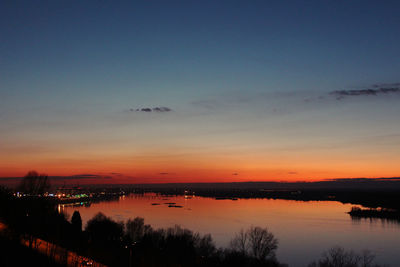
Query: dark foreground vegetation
point(339, 257)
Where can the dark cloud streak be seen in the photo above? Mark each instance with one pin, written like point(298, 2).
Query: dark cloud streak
point(374, 90)
point(155, 109)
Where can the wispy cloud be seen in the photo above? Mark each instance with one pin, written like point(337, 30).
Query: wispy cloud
point(147, 109)
point(374, 90)
point(287, 102)
point(272, 102)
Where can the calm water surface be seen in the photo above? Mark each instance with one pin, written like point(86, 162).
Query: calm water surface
point(304, 229)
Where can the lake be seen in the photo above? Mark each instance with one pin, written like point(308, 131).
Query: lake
point(304, 229)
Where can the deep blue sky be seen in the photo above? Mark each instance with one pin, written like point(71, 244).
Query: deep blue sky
point(241, 77)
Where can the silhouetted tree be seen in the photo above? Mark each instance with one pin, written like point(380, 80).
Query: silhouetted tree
point(339, 257)
point(34, 183)
point(262, 243)
point(205, 245)
point(76, 221)
point(240, 242)
point(256, 242)
point(102, 229)
point(136, 229)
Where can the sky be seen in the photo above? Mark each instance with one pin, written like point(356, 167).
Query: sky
point(200, 91)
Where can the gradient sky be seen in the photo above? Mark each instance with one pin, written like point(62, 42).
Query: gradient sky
point(238, 90)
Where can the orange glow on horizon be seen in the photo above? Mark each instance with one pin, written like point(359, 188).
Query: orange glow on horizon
point(201, 176)
point(163, 167)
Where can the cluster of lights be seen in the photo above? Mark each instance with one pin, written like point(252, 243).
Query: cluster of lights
point(59, 195)
point(71, 196)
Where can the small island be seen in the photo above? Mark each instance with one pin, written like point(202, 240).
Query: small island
point(381, 213)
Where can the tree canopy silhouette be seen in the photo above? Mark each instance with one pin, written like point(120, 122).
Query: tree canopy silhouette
point(76, 221)
point(136, 229)
point(256, 242)
point(103, 229)
point(34, 183)
point(339, 257)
